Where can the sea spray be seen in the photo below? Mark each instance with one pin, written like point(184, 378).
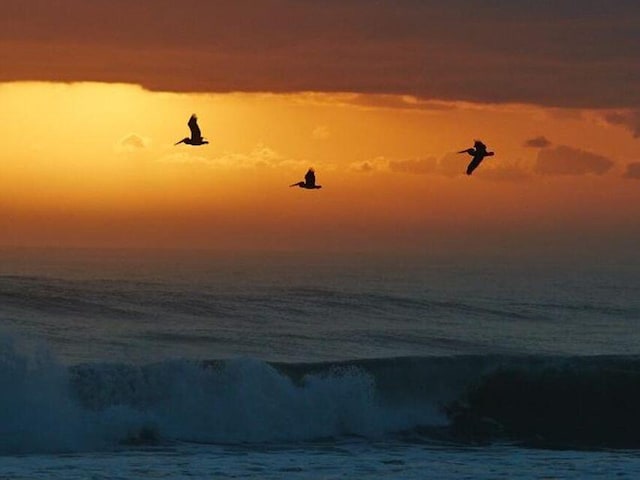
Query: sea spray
point(48, 407)
point(36, 411)
point(240, 400)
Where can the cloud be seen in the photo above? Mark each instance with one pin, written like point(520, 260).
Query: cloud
point(261, 156)
point(400, 102)
point(560, 160)
point(453, 164)
point(364, 167)
point(633, 171)
point(185, 158)
point(450, 165)
point(321, 132)
point(132, 143)
point(501, 171)
point(493, 168)
point(537, 142)
point(564, 160)
point(517, 51)
point(376, 164)
point(420, 166)
point(629, 119)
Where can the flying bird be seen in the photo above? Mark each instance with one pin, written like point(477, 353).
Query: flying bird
point(196, 137)
point(309, 181)
point(478, 153)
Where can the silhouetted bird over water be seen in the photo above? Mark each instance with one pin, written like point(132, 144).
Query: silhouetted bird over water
point(196, 137)
point(309, 181)
point(478, 153)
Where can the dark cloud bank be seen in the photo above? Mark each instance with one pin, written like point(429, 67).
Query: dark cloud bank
point(629, 119)
point(562, 53)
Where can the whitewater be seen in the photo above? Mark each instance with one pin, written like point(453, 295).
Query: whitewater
point(120, 365)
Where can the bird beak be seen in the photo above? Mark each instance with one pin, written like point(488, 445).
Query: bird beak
point(178, 142)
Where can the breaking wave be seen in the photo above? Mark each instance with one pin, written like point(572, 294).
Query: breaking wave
point(554, 402)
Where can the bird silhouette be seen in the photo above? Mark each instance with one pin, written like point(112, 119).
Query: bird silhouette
point(196, 137)
point(309, 181)
point(478, 153)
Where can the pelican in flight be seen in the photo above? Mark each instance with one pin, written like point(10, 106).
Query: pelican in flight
point(196, 136)
point(309, 181)
point(478, 153)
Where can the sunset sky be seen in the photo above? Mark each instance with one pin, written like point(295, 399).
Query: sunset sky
point(377, 96)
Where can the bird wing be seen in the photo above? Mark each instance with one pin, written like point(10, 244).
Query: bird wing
point(480, 146)
point(474, 164)
point(470, 151)
point(195, 129)
point(310, 178)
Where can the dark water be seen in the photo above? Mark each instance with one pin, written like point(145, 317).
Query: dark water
point(313, 369)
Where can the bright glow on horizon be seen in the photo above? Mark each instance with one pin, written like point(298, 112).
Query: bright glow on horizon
point(94, 164)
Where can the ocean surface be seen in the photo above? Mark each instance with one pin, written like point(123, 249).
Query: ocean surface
point(134, 364)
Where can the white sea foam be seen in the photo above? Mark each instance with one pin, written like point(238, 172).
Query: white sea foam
point(47, 407)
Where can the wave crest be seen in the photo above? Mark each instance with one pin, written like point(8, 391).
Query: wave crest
point(46, 407)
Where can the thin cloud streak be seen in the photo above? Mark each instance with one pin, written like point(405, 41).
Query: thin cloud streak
point(537, 142)
point(629, 119)
point(565, 160)
point(633, 171)
point(454, 165)
point(131, 143)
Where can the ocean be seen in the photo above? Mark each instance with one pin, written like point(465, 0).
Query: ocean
point(164, 364)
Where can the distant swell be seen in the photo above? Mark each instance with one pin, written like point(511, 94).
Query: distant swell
point(560, 402)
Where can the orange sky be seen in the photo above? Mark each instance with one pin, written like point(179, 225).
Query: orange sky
point(93, 164)
point(375, 95)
